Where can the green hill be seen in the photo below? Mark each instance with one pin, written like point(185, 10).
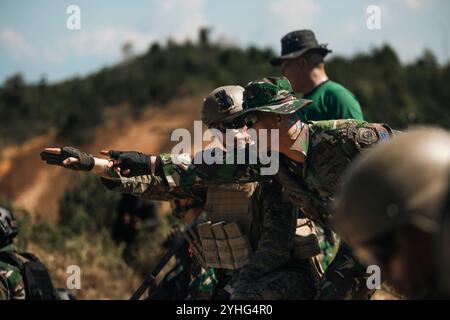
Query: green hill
point(388, 90)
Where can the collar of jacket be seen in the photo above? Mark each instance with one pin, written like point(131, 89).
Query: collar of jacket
point(301, 143)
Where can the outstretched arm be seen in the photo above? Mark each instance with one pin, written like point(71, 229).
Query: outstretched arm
point(74, 159)
point(150, 176)
point(150, 186)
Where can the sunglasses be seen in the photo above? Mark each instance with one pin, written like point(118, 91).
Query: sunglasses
point(223, 126)
point(238, 123)
point(250, 120)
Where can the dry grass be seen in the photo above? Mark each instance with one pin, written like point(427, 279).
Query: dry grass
point(104, 275)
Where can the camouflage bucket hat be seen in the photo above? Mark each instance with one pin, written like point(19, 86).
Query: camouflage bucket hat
point(273, 95)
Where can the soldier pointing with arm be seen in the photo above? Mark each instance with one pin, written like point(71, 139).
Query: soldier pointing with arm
point(313, 157)
point(249, 235)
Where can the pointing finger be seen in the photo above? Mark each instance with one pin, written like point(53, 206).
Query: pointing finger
point(53, 150)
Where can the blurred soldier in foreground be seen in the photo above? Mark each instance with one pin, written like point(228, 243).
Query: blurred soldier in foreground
point(248, 233)
point(444, 251)
point(392, 208)
point(22, 275)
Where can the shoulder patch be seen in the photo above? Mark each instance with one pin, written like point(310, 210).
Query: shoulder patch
point(366, 136)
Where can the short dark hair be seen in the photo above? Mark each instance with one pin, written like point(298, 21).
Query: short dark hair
point(314, 57)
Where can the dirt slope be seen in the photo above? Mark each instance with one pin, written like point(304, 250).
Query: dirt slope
point(31, 184)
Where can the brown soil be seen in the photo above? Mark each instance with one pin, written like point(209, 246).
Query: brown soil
point(37, 187)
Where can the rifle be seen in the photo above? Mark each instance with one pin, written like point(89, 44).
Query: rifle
point(151, 278)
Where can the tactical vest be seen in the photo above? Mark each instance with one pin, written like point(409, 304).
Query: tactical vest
point(221, 241)
point(221, 237)
point(38, 285)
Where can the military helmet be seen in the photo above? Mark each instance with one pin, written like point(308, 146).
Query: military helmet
point(402, 182)
point(8, 225)
point(221, 103)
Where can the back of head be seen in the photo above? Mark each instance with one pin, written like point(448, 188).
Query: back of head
point(315, 58)
point(402, 182)
point(8, 226)
point(221, 103)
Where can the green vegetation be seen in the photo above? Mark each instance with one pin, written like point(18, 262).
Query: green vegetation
point(88, 208)
point(397, 94)
point(388, 91)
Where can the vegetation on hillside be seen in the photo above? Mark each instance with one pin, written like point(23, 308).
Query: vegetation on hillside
point(388, 90)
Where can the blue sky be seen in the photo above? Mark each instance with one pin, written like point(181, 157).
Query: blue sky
point(35, 41)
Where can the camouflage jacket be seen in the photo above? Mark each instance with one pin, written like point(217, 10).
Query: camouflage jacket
point(273, 219)
point(153, 187)
point(329, 147)
point(272, 231)
point(273, 224)
point(11, 281)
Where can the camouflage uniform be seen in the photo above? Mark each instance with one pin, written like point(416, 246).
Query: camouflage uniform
point(271, 272)
point(11, 281)
point(329, 146)
point(269, 221)
point(22, 275)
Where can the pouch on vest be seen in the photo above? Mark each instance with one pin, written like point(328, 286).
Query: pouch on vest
point(225, 246)
point(38, 284)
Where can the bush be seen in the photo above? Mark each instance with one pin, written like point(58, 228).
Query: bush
point(88, 206)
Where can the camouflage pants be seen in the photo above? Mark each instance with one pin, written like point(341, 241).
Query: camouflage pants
point(345, 278)
point(289, 283)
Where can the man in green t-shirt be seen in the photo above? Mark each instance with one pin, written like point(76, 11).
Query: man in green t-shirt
point(302, 61)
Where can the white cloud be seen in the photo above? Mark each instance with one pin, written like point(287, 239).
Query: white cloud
point(15, 42)
point(105, 42)
point(414, 4)
point(294, 14)
point(181, 19)
point(178, 19)
point(53, 56)
point(108, 41)
point(351, 28)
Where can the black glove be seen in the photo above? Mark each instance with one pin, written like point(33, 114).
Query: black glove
point(86, 161)
point(138, 163)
